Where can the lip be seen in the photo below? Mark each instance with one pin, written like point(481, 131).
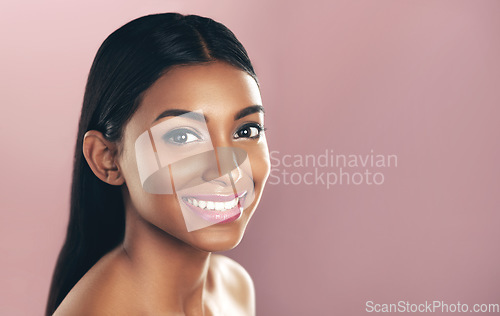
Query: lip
point(215, 216)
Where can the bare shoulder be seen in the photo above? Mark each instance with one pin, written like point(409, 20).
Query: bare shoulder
point(101, 291)
point(235, 280)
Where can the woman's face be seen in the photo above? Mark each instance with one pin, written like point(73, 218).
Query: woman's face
point(198, 134)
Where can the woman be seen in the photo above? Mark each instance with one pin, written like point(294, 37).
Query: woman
point(140, 235)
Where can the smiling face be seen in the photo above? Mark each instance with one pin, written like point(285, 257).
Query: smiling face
point(201, 128)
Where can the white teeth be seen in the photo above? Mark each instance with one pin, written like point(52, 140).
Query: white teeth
point(219, 206)
point(211, 205)
point(202, 204)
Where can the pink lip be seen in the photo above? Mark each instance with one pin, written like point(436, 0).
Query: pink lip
point(214, 216)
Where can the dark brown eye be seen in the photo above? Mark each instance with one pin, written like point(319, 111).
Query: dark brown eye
point(249, 131)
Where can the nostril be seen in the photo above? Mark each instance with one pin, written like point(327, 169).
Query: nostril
point(224, 180)
point(210, 174)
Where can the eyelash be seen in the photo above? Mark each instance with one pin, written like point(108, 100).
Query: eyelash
point(257, 126)
point(179, 132)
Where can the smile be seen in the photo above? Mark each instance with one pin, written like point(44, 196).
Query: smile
point(216, 208)
point(213, 205)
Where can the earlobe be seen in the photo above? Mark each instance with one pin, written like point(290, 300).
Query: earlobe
point(101, 157)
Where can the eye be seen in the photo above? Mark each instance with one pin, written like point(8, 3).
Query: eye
point(181, 136)
point(250, 130)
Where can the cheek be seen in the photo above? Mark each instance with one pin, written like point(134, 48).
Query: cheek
point(261, 165)
point(158, 209)
point(161, 210)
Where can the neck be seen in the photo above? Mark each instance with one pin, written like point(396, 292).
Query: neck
point(168, 271)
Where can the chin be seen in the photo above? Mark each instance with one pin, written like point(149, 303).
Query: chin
point(218, 237)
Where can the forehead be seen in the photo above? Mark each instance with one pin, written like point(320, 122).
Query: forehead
point(218, 89)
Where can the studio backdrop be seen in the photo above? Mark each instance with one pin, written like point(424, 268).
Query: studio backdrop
point(383, 128)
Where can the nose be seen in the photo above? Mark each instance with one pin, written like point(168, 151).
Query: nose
point(226, 171)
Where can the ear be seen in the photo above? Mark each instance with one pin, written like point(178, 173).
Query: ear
point(101, 155)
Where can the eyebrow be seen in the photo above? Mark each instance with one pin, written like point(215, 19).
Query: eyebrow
point(177, 112)
point(249, 110)
point(199, 117)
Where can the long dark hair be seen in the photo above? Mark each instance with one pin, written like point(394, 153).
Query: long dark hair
point(128, 62)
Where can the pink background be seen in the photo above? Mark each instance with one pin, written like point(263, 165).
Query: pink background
point(419, 79)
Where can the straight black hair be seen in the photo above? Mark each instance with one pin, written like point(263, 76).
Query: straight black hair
point(128, 62)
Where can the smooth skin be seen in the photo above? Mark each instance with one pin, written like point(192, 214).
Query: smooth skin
point(161, 268)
